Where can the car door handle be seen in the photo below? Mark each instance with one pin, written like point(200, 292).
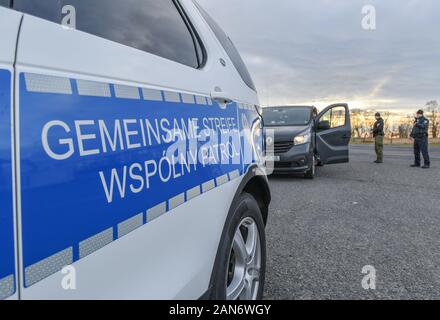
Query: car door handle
point(221, 97)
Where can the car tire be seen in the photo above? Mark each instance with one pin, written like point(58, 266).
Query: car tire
point(240, 271)
point(310, 174)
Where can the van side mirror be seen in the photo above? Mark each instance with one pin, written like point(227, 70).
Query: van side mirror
point(324, 125)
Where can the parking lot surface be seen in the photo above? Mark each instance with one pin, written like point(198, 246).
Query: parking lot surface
point(321, 233)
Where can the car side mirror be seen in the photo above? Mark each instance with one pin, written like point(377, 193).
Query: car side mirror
point(324, 125)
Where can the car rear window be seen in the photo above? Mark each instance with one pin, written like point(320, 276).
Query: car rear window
point(229, 47)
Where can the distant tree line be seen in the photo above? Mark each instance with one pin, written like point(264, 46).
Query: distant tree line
point(396, 125)
point(433, 114)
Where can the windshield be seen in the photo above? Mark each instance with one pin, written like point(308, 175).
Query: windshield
point(287, 116)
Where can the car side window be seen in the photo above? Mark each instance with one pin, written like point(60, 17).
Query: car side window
point(335, 116)
point(45, 9)
point(5, 3)
point(157, 27)
point(229, 47)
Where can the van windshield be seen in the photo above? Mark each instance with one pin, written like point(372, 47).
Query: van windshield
point(287, 116)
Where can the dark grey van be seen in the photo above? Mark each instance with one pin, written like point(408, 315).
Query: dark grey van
point(304, 138)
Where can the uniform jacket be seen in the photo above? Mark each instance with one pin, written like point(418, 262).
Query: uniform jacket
point(378, 128)
point(420, 129)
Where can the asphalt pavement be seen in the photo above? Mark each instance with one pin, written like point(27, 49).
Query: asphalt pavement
point(322, 232)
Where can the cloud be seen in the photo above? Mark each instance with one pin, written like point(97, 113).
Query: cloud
point(317, 52)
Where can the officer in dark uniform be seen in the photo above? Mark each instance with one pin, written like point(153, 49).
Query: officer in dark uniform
point(420, 136)
point(378, 135)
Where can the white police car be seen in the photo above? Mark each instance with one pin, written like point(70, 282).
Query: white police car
point(130, 152)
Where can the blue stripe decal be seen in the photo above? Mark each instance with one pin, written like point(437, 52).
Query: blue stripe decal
point(90, 163)
point(7, 256)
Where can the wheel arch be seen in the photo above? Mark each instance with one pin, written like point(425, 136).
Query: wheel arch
point(258, 187)
point(256, 184)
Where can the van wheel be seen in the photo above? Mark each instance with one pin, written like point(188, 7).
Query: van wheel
point(310, 174)
point(241, 268)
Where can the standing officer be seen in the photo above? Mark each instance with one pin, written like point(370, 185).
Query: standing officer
point(420, 136)
point(378, 135)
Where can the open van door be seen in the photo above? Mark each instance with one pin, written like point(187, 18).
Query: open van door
point(333, 134)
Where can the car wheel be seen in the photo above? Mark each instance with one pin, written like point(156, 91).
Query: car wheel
point(240, 271)
point(310, 174)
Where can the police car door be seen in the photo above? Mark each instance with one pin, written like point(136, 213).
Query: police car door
point(333, 133)
point(9, 26)
point(101, 99)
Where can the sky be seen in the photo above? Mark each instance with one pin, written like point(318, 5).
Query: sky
point(317, 52)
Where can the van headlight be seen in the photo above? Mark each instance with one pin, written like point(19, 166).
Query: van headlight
point(303, 138)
